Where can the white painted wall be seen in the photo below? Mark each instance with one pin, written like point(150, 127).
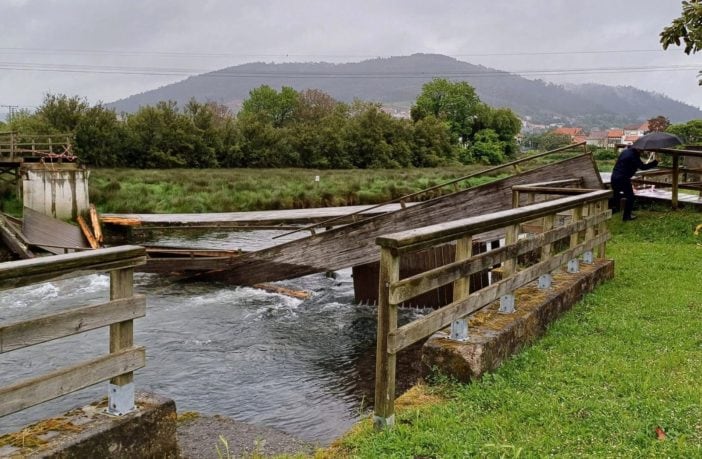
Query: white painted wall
point(56, 190)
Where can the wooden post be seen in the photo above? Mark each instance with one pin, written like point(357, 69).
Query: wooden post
point(676, 170)
point(574, 264)
point(384, 360)
point(531, 198)
point(601, 229)
point(509, 267)
point(461, 288)
point(515, 199)
point(95, 220)
point(547, 226)
point(121, 390)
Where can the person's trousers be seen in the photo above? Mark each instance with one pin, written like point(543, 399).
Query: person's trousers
point(622, 189)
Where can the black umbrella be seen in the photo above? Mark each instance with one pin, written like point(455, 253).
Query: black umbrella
point(656, 140)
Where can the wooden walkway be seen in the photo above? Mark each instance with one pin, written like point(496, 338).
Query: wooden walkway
point(258, 219)
point(658, 195)
point(354, 244)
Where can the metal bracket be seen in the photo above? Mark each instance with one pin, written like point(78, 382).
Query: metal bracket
point(120, 399)
point(459, 330)
point(506, 304)
point(545, 281)
point(587, 257)
point(573, 266)
point(380, 422)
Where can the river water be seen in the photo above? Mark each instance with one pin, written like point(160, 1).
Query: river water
point(302, 366)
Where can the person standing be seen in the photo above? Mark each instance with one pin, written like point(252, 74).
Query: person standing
point(627, 164)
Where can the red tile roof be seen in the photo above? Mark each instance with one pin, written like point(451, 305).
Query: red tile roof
point(615, 133)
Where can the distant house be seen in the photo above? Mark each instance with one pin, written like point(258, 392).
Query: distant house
point(614, 137)
point(636, 130)
point(597, 139)
point(573, 133)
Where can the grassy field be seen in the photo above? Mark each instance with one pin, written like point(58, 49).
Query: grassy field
point(228, 190)
point(623, 363)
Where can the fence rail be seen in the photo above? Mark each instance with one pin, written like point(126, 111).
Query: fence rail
point(15, 146)
point(118, 313)
point(584, 233)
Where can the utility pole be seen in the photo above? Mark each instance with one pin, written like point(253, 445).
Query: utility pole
point(12, 111)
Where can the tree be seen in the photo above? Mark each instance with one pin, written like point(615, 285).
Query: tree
point(658, 124)
point(690, 133)
point(100, 137)
point(488, 148)
point(62, 113)
point(453, 102)
point(686, 29)
point(271, 106)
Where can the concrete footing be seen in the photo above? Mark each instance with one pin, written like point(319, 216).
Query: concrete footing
point(88, 432)
point(493, 337)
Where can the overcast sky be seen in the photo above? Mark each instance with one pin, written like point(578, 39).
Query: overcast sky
point(109, 49)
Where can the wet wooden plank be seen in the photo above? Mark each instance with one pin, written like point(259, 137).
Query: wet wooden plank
point(354, 244)
point(50, 233)
point(40, 389)
point(69, 322)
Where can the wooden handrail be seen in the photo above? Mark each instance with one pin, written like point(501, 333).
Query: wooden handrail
point(118, 313)
point(419, 238)
point(586, 233)
point(25, 272)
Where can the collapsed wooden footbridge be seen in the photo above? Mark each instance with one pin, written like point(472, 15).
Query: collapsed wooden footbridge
point(331, 247)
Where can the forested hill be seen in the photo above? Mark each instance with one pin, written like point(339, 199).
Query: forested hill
point(397, 81)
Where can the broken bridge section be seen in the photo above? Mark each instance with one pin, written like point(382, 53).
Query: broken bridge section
point(354, 244)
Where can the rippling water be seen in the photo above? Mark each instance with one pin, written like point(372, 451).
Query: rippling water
point(260, 357)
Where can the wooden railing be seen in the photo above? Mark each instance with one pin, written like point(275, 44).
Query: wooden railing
point(118, 313)
point(15, 146)
point(674, 172)
point(583, 232)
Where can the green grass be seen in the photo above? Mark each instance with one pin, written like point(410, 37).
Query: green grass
point(624, 361)
point(228, 190)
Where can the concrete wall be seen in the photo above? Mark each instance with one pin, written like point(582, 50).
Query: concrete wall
point(59, 190)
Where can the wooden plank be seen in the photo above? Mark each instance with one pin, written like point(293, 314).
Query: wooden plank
point(387, 323)
point(33, 391)
point(25, 272)
point(416, 285)
point(444, 232)
point(122, 333)
point(435, 321)
point(51, 233)
point(354, 245)
point(69, 322)
point(87, 232)
point(97, 229)
point(11, 240)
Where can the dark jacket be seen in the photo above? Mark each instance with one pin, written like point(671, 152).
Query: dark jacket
point(628, 163)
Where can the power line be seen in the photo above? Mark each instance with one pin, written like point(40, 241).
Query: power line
point(186, 54)
point(170, 71)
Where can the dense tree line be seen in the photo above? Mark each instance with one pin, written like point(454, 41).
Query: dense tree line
point(283, 128)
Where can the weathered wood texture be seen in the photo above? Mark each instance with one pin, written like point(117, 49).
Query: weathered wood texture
point(124, 306)
point(40, 389)
point(69, 322)
point(354, 244)
point(50, 233)
point(26, 272)
point(365, 277)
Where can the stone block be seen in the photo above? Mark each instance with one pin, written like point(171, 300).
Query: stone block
point(88, 432)
point(493, 337)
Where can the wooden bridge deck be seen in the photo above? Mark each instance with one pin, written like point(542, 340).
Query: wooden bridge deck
point(354, 244)
point(247, 219)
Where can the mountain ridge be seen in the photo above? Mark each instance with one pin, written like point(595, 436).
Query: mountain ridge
point(398, 80)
